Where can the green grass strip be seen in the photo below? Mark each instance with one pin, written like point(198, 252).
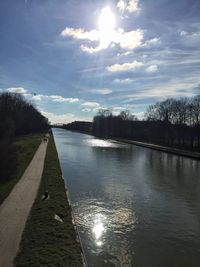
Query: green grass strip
point(46, 241)
point(26, 148)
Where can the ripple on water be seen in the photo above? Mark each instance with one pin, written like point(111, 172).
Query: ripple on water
point(103, 228)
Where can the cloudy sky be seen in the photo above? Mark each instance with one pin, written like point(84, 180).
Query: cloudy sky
point(72, 57)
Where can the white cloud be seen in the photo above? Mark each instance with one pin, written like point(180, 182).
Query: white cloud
point(124, 67)
point(152, 69)
point(19, 90)
point(151, 42)
point(54, 98)
point(60, 99)
point(55, 118)
point(128, 5)
point(126, 40)
point(119, 108)
point(90, 50)
point(144, 56)
point(129, 40)
point(102, 91)
point(37, 97)
point(123, 81)
point(194, 34)
point(190, 38)
point(91, 105)
point(81, 34)
point(140, 115)
point(121, 5)
point(183, 33)
point(171, 89)
point(72, 100)
point(87, 110)
point(127, 53)
point(62, 118)
point(132, 6)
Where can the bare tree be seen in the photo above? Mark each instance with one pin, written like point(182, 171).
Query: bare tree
point(126, 115)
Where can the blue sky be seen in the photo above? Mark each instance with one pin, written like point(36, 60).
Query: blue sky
point(71, 58)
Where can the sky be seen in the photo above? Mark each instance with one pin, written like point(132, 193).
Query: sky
point(71, 58)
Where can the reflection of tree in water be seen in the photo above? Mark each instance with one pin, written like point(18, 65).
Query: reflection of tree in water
point(179, 174)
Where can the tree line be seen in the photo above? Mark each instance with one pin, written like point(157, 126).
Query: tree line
point(172, 122)
point(181, 121)
point(17, 117)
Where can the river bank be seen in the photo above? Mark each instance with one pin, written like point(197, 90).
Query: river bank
point(171, 150)
point(49, 238)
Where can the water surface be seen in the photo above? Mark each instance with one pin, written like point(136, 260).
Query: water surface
point(134, 206)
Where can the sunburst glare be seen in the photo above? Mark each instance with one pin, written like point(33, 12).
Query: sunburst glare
point(106, 21)
point(106, 24)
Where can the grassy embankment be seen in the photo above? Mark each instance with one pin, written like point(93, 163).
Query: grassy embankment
point(26, 148)
point(46, 241)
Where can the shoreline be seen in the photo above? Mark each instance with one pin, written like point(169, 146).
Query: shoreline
point(171, 150)
point(74, 224)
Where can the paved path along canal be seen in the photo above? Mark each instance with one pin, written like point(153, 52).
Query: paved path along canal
point(15, 209)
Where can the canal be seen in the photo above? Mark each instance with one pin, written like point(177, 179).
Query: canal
point(133, 206)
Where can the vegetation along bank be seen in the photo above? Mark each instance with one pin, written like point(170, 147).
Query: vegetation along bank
point(21, 128)
point(49, 238)
point(24, 149)
point(173, 123)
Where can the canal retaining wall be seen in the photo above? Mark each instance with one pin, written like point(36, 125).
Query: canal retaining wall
point(171, 150)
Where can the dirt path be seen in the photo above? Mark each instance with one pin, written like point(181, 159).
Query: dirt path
point(16, 207)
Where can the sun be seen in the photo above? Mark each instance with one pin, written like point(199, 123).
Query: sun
point(106, 21)
point(106, 24)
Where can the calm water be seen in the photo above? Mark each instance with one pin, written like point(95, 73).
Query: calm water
point(133, 206)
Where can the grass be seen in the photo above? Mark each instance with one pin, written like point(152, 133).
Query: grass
point(46, 241)
point(26, 148)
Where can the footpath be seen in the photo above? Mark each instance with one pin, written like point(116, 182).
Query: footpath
point(16, 207)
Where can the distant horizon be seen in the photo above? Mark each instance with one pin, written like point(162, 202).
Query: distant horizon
point(72, 58)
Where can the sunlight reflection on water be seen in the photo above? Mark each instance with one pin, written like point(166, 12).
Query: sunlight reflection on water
point(99, 229)
point(104, 225)
point(103, 143)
